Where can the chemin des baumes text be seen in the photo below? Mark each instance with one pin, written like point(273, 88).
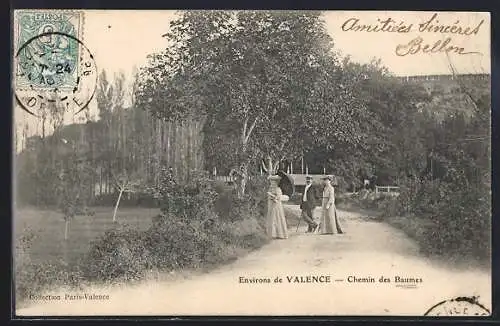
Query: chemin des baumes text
point(329, 279)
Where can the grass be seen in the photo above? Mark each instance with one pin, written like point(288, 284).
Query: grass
point(47, 227)
point(413, 227)
point(436, 242)
point(50, 261)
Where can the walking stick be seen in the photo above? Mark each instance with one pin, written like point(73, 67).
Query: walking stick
point(298, 224)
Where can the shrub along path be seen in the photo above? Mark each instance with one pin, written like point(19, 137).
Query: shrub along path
point(369, 249)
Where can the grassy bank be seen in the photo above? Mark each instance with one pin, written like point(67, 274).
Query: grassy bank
point(133, 249)
point(448, 238)
point(46, 229)
point(198, 227)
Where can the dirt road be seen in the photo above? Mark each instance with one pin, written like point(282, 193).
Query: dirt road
point(367, 250)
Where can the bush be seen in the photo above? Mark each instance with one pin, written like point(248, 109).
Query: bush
point(229, 207)
point(202, 224)
point(247, 233)
point(33, 278)
point(389, 206)
point(170, 244)
point(119, 254)
point(257, 191)
point(193, 200)
point(25, 277)
point(455, 219)
point(177, 243)
point(37, 277)
point(463, 224)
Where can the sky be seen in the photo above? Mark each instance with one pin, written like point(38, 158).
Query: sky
point(121, 40)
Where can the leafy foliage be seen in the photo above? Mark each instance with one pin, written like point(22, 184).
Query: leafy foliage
point(260, 80)
point(192, 200)
point(73, 189)
point(117, 255)
point(31, 277)
point(188, 234)
point(266, 85)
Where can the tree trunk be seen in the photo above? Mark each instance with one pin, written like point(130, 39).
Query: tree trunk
point(168, 139)
point(269, 166)
point(124, 140)
point(182, 157)
point(190, 149)
point(176, 151)
point(66, 229)
point(149, 138)
point(109, 178)
point(243, 181)
point(158, 146)
point(241, 176)
point(116, 205)
point(100, 181)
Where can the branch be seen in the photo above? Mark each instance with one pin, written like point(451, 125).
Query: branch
point(275, 167)
point(115, 179)
point(122, 184)
point(251, 129)
point(244, 136)
point(264, 166)
point(282, 145)
point(130, 189)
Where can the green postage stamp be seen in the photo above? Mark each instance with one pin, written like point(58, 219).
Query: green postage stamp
point(53, 67)
point(47, 57)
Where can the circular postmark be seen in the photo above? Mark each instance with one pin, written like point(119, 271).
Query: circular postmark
point(54, 70)
point(460, 306)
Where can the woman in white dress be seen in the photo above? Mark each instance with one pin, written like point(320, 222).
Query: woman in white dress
point(329, 223)
point(276, 227)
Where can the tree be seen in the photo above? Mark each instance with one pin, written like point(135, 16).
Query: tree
point(120, 121)
point(104, 97)
point(73, 182)
point(113, 130)
point(125, 183)
point(259, 80)
point(390, 130)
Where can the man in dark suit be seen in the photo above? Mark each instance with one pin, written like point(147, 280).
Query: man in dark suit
point(307, 205)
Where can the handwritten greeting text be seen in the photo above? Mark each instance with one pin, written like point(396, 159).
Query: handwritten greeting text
point(418, 44)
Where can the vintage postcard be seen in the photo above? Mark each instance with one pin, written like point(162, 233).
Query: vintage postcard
point(251, 163)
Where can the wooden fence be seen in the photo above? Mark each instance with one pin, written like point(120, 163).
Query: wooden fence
point(389, 190)
point(226, 178)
